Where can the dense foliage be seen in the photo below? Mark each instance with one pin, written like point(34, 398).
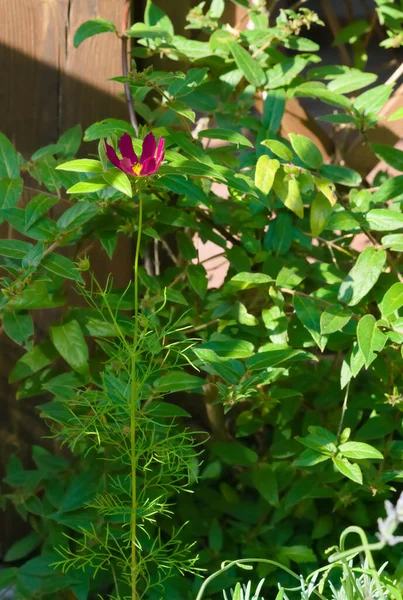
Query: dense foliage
point(274, 398)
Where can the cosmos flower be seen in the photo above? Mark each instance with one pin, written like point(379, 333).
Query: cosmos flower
point(150, 160)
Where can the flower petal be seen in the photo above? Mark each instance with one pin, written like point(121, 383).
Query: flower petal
point(149, 166)
point(111, 154)
point(149, 147)
point(126, 166)
point(126, 148)
point(159, 157)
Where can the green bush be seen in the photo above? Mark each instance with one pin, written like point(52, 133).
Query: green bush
point(279, 391)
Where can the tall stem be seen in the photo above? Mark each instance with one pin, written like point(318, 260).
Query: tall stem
point(133, 405)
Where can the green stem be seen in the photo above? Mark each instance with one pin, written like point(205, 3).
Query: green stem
point(133, 405)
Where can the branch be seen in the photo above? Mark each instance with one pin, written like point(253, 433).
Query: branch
point(125, 69)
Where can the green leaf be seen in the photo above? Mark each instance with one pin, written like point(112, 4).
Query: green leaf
point(33, 361)
point(141, 30)
point(334, 319)
point(371, 102)
point(293, 199)
point(363, 276)
point(392, 156)
point(228, 348)
point(69, 341)
point(394, 241)
point(18, 326)
point(90, 28)
point(359, 450)
point(251, 69)
point(341, 175)
point(198, 279)
point(88, 186)
point(319, 215)
point(165, 409)
point(107, 127)
point(275, 354)
point(10, 192)
point(351, 81)
point(14, 248)
point(69, 142)
point(8, 577)
point(279, 149)
point(310, 458)
point(298, 554)
point(153, 15)
point(62, 266)
point(273, 110)
point(389, 190)
point(227, 135)
point(234, 453)
point(370, 338)
point(276, 324)
point(383, 219)
point(216, 8)
point(37, 207)
point(266, 169)
point(82, 165)
point(280, 234)
point(392, 300)
point(352, 32)
point(76, 216)
point(51, 149)
point(182, 109)
point(265, 481)
point(119, 180)
point(283, 73)
point(24, 547)
point(9, 167)
point(178, 381)
point(311, 90)
point(350, 470)
point(308, 313)
point(306, 150)
point(398, 114)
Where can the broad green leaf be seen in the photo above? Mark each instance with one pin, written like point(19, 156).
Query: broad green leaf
point(198, 279)
point(308, 312)
point(352, 32)
point(234, 453)
point(266, 169)
point(228, 348)
point(245, 281)
point(392, 156)
point(33, 361)
point(278, 148)
point(103, 129)
point(359, 450)
point(182, 109)
point(230, 371)
point(243, 316)
point(310, 458)
point(8, 577)
point(14, 248)
point(178, 381)
point(227, 135)
point(350, 470)
point(9, 168)
point(18, 326)
point(383, 219)
point(43, 230)
point(273, 110)
point(398, 114)
point(165, 409)
point(10, 192)
point(88, 186)
point(298, 554)
point(251, 69)
point(70, 141)
point(394, 241)
point(76, 216)
point(334, 319)
point(289, 277)
point(309, 90)
point(216, 8)
point(389, 190)
point(370, 338)
point(351, 81)
point(293, 199)
point(119, 180)
point(341, 175)
point(192, 49)
point(154, 16)
point(280, 234)
point(37, 207)
point(51, 149)
point(283, 73)
point(92, 27)
point(371, 102)
point(62, 266)
point(319, 215)
point(141, 30)
point(306, 150)
point(392, 300)
point(82, 165)
point(69, 341)
point(363, 276)
point(23, 547)
point(274, 356)
point(265, 481)
point(276, 324)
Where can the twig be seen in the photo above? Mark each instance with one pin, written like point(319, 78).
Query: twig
point(204, 326)
point(395, 75)
point(125, 69)
point(343, 411)
point(169, 252)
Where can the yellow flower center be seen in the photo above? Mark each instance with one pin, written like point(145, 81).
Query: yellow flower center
point(137, 168)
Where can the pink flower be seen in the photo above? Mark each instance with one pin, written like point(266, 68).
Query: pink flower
point(150, 160)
